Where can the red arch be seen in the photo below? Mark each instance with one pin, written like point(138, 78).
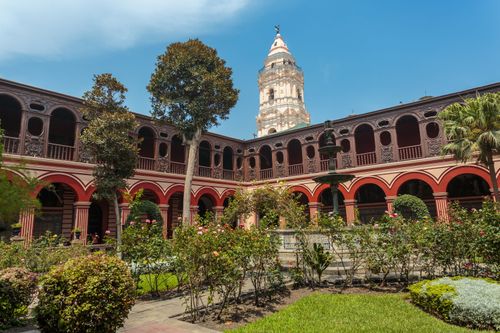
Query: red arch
point(210, 192)
point(226, 194)
point(322, 187)
point(367, 180)
point(76, 186)
point(448, 176)
point(401, 179)
point(176, 189)
point(156, 189)
point(303, 190)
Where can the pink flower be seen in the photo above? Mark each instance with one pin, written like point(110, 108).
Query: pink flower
point(153, 221)
point(200, 232)
point(375, 226)
point(148, 221)
point(132, 222)
point(107, 232)
point(215, 253)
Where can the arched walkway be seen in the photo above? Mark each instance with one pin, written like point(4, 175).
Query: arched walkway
point(371, 202)
point(422, 190)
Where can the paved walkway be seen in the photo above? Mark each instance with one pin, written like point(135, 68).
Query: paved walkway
point(155, 316)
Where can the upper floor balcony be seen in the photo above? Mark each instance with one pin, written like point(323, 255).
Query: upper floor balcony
point(51, 128)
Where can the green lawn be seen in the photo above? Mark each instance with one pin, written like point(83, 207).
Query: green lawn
point(351, 313)
point(166, 281)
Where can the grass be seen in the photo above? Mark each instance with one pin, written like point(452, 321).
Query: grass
point(166, 281)
point(351, 313)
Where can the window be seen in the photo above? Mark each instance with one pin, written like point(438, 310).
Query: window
point(271, 94)
point(299, 94)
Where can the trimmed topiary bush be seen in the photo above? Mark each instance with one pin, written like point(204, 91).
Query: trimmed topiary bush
point(410, 207)
point(17, 289)
point(464, 301)
point(87, 294)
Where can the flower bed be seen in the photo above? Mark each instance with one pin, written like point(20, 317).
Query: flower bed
point(464, 301)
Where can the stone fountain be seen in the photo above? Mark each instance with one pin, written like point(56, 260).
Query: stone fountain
point(332, 177)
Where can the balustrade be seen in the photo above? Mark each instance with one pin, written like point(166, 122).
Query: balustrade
point(204, 171)
point(266, 174)
point(10, 145)
point(295, 169)
point(146, 163)
point(366, 158)
point(60, 152)
point(228, 174)
point(410, 152)
point(178, 168)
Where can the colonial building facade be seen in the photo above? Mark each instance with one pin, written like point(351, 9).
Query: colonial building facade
point(391, 151)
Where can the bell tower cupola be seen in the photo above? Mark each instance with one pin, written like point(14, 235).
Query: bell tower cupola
point(281, 91)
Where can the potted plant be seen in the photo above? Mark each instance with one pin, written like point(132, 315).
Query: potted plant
point(77, 232)
point(16, 229)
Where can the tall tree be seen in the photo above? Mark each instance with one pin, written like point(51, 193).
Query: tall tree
point(192, 90)
point(108, 140)
point(473, 128)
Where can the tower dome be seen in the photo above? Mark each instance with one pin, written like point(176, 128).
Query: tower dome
point(281, 91)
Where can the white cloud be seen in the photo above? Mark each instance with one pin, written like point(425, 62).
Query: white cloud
point(56, 28)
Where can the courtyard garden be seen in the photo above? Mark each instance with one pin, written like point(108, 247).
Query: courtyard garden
point(402, 273)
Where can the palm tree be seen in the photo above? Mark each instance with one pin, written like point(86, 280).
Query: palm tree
point(473, 127)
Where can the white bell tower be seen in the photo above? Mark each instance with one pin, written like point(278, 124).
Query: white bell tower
point(281, 91)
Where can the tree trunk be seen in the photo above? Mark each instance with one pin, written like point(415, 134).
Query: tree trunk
point(491, 168)
point(193, 149)
point(118, 227)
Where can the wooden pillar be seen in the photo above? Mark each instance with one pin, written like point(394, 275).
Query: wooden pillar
point(441, 199)
point(193, 213)
point(390, 200)
point(350, 210)
point(82, 218)
point(124, 212)
point(164, 215)
point(314, 209)
point(219, 210)
point(27, 220)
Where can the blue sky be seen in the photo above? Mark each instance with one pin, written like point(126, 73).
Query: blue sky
point(357, 56)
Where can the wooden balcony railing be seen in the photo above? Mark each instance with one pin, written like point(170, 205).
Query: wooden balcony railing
point(410, 152)
point(366, 158)
point(204, 171)
point(228, 174)
point(146, 163)
point(266, 174)
point(60, 152)
point(323, 165)
point(10, 145)
point(178, 168)
point(295, 169)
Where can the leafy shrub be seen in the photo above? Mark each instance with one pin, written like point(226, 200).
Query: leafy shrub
point(143, 246)
point(87, 294)
point(410, 207)
point(17, 289)
point(464, 301)
point(12, 255)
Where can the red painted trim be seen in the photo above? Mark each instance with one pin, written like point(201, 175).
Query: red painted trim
point(364, 181)
point(303, 190)
point(211, 193)
point(448, 175)
point(226, 194)
point(322, 187)
point(403, 178)
point(77, 187)
point(155, 188)
point(176, 189)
